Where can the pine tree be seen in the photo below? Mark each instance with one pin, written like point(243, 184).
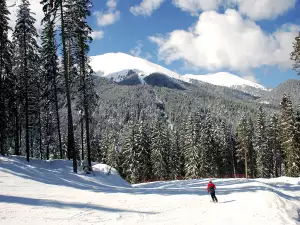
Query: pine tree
point(131, 151)
point(81, 10)
point(112, 153)
point(226, 150)
point(288, 138)
point(175, 156)
point(191, 149)
point(297, 127)
point(261, 147)
point(159, 150)
point(104, 146)
point(145, 143)
point(180, 139)
point(51, 74)
point(244, 143)
point(297, 137)
point(62, 8)
point(26, 59)
point(208, 149)
point(252, 153)
point(274, 146)
point(5, 71)
point(295, 54)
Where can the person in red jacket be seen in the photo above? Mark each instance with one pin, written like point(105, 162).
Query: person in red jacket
point(211, 187)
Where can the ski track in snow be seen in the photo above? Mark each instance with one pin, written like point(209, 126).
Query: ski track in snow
point(47, 192)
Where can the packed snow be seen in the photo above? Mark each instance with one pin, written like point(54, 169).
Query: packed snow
point(47, 192)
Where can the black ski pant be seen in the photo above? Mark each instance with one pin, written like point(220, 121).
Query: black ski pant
point(213, 196)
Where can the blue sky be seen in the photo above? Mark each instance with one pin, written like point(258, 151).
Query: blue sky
point(133, 24)
point(249, 38)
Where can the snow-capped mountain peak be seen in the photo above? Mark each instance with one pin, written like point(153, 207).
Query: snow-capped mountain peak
point(121, 63)
point(223, 79)
point(117, 67)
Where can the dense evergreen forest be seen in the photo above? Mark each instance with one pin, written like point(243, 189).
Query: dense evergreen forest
point(60, 110)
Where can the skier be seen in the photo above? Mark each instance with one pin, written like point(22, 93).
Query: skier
point(211, 189)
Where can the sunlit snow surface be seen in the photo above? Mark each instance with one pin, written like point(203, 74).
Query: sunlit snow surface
point(47, 192)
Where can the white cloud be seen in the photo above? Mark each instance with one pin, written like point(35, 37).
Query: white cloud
point(220, 41)
point(251, 78)
point(35, 7)
point(107, 18)
point(137, 51)
point(110, 16)
point(146, 8)
point(264, 9)
point(111, 4)
point(147, 55)
point(249, 75)
point(194, 6)
point(97, 35)
point(254, 9)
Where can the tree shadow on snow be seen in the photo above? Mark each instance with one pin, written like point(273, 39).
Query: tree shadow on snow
point(43, 172)
point(59, 204)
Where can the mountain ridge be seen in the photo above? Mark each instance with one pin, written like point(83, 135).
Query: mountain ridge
point(117, 66)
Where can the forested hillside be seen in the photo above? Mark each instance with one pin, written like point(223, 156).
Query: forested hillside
point(160, 128)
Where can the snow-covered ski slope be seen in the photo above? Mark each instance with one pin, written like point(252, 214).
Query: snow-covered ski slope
point(49, 193)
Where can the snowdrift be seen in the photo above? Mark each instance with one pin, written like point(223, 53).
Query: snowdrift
point(60, 172)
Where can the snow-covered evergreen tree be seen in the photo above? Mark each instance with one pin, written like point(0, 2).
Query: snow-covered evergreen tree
point(145, 143)
point(80, 11)
point(274, 146)
point(112, 151)
point(132, 150)
point(26, 62)
point(208, 149)
point(297, 128)
point(104, 146)
point(226, 150)
point(261, 147)
point(5, 73)
point(191, 149)
point(63, 10)
point(50, 72)
point(244, 142)
point(295, 54)
point(159, 150)
point(252, 165)
point(288, 138)
point(175, 157)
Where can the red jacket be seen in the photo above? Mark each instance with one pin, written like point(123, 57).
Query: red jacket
point(210, 184)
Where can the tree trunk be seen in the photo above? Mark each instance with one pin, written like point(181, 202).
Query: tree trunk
point(71, 140)
point(17, 146)
point(40, 135)
point(57, 114)
point(31, 143)
point(47, 151)
point(87, 130)
point(82, 142)
point(26, 97)
point(233, 165)
point(20, 135)
point(246, 165)
point(2, 110)
point(86, 112)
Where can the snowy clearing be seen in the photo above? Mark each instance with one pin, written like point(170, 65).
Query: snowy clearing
point(44, 192)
